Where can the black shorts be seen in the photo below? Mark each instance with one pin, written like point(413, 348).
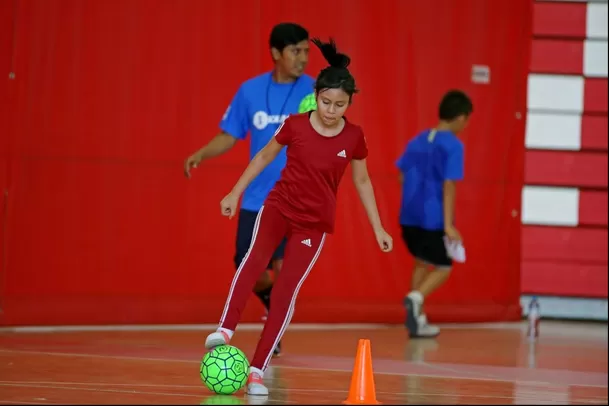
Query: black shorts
point(245, 228)
point(427, 246)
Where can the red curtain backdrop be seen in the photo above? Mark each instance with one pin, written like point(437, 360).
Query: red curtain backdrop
point(110, 96)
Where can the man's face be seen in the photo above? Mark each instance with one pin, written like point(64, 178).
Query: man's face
point(293, 60)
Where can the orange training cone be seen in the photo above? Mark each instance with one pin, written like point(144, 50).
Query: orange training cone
point(362, 391)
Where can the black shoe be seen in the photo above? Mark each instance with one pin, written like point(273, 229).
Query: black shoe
point(411, 317)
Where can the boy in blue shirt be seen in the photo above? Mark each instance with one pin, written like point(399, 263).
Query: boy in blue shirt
point(429, 169)
point(260, 105)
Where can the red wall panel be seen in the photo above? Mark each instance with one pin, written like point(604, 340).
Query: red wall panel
point(113, 95)
point(559, 19)
point(593, 208)
point(564, 279)
point(595, 95)
point(594, 132)
point(557, 56)
point(564, 244)
point(563, 261)
point(566, 168)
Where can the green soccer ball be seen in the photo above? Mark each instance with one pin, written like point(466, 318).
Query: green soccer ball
point(307, 104)
point(224, 369)
point(222, 400)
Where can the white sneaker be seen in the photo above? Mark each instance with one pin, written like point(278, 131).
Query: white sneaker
point(424, 329)
point(216, 339)
point(255, 385)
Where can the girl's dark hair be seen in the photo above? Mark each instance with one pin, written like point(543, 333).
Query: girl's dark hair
point(335, 76)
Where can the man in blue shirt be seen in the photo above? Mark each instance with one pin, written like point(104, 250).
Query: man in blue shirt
point(260, 105)
point(429, 169)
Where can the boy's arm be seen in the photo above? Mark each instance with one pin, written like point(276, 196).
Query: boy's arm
point(450, 191)
point(454, 173)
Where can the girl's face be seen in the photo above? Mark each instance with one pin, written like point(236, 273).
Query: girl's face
point(332, 105)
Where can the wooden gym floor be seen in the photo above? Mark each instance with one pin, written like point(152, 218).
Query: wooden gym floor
point(466, 364)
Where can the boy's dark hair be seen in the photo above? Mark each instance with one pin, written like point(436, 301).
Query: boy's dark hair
point(284, 34)
point(335, 76)
point(455, 103)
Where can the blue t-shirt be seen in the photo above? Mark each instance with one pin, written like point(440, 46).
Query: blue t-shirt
point(428, 161)
point(259, 107)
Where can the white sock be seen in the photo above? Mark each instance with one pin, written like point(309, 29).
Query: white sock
point(416, 296)
point(226, 331)
point(256, 371)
